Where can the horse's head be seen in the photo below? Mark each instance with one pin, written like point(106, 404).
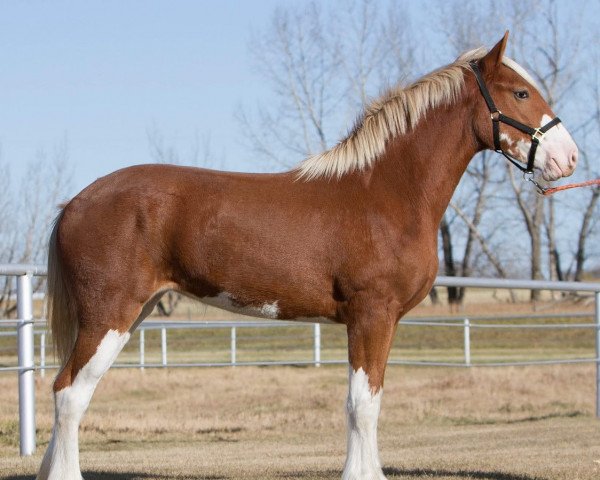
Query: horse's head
point(513, 117)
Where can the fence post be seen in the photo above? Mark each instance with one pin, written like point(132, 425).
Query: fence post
point(467, 341)
point(43, 354)
point(233, 346)
point(317, 355)
point(597, 318)
point(26, 365)
point(163, 345)
point(142, 348)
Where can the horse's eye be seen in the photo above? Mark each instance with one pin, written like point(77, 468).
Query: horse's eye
point(522, 94)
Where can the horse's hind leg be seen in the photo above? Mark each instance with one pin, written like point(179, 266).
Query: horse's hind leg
point(96, 348)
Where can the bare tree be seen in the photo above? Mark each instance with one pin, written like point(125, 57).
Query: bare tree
point(550, 52)
point(8, 245)
point(588, 225)
point(298, 59)
point(322, 66)
point(470, 205)
point(463, 27)
point(27, 212)
point(554, 67)
point(589, 222)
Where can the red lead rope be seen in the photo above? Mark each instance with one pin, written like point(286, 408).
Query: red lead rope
point(550, 191)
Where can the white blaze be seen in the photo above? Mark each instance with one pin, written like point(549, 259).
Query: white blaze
point(557, 152)
point(510, 63)
point(362, 461)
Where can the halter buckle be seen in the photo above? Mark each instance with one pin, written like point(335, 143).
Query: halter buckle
point(495, 116)
point(537, 134)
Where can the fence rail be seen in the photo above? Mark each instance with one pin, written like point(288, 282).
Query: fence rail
point(468, 325)
point(25, 332)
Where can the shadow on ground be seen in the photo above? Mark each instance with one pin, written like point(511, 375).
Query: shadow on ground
point(424, 473)
point(126, 476)
point(389, 472)
point(478, 474)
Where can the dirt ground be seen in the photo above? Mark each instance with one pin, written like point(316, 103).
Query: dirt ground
point(527, 423)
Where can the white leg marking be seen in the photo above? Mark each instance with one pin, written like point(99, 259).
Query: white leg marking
point(61, 461)
point(362, 461)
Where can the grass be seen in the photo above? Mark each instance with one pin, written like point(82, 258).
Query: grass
point(514, 423)
point(526, 423)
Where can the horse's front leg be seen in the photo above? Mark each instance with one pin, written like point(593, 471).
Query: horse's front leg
point(371, 327)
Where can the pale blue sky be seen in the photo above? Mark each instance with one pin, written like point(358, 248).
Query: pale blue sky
point(100, 73)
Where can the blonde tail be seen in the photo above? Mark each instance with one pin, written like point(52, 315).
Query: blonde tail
point(62, 320)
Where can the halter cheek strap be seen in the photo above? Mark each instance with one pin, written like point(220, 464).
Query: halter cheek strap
point(497, 116)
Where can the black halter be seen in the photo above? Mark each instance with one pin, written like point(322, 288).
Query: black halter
point(497, 116)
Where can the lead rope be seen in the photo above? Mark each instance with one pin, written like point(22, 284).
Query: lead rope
point(545, 191)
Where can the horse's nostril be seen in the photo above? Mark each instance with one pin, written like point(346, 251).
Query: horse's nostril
point(573, 158)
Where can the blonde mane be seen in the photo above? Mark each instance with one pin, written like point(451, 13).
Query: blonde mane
point(394, 113)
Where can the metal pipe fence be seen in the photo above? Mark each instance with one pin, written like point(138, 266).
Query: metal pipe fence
point(313, 334)
point(25, 330)
point(24, 274)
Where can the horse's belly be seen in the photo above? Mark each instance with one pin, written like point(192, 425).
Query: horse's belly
point(266, 309)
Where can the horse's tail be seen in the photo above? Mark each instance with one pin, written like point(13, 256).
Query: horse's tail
point(62, 319)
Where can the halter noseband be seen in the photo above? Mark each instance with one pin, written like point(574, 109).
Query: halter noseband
point(497, 116)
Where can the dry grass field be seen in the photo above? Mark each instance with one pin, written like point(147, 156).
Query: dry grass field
point(264, 423)
point(514, 423)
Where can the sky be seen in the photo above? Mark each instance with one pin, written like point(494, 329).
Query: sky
point(99, 75)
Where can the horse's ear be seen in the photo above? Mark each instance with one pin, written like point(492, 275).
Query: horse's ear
point(494, 57)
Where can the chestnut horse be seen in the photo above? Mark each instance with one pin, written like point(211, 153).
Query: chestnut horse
point(350, 236)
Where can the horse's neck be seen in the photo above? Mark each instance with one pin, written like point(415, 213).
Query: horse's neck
point(424, 166)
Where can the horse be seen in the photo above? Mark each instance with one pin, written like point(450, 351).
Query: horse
point(348, 236)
